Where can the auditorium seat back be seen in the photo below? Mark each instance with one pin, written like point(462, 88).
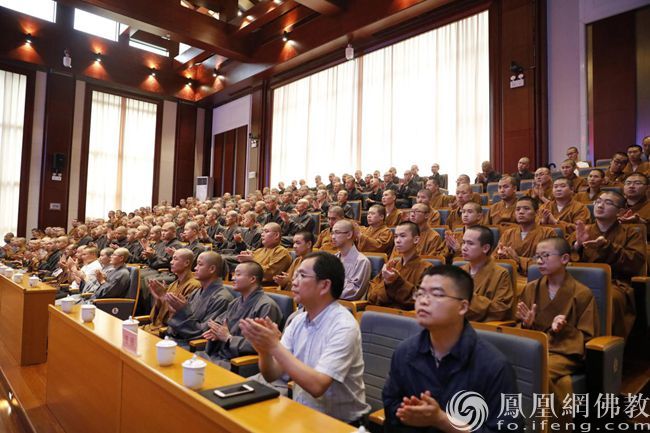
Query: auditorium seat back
point(440, 230)
point(286, 304)
point(584, 171)
point(526, 184)
point(603, 162)
point(492, 189)
point(476, 187)
point(356, 209)
point(315, 216)
point(377, 261)
point(122, 308)
point(444, 214)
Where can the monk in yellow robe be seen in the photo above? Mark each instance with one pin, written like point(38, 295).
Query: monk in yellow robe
point(542, 189)
point(376, 238)
point(393, 215)
point(595, 180)
point(563, 210)
point(471, 215)
point(324, 241)
point(272, 257)
point(637, 206)
point(502, 213)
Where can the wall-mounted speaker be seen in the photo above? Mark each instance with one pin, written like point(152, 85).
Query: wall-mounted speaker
point(58, 162)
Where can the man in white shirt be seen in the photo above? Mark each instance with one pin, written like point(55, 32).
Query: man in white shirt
point(321, 348)
point(85, 278)
point(356, 265)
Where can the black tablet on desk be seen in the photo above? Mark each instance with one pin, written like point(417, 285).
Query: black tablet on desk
point(240, 394)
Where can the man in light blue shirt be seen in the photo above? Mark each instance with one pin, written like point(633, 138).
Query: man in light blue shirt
point(356, 265)
point(321, 348)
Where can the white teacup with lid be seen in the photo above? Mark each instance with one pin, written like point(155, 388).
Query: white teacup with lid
point(165, 351)
point(194, 372)
point(18, 277)
point(33, 281)
point(131, 324)
point(88, 312)
point(67, 303)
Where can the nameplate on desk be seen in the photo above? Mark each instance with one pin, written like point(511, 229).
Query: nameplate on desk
point(130, 341)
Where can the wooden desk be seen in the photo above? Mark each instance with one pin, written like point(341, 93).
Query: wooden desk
point(23, 319)
point(93, 386)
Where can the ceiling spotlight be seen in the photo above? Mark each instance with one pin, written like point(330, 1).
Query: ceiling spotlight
point(98, 57)
point(349, 52)
point(28, 38)
point(153, 72)
point(239, 13)
point(285, 37)
point(277, 2)
point(189, 83)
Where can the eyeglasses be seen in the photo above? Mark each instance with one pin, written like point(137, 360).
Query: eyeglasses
point(436, 295)
point(633, 182)
point(599, 201)
point(302, 276)
point(339, 232)
point(544, 256)
point(619, 161)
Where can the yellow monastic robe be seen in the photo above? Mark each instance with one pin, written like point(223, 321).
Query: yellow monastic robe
point(273, 260)
point(399, 294)
point(493, 293)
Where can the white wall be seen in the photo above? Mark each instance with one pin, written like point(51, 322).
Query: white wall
point(75, 157)
point(166, 184)
point(37, 152)
point(567, 79)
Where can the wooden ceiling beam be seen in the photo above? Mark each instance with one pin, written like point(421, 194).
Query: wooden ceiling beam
point(323, 7)
point(263, 13)
point(170, 18)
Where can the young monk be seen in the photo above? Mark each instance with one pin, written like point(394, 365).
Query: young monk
point(564, 309)
point(563, 210)
point(471, 215)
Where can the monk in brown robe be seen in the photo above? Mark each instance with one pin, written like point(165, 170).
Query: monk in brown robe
point(424, 197)
point(564, 309)
point(518, 243)
point(272, 257)
point(438, 199)
point(595, 180)
point(621, 246)
point(502, 213)
point(563, 210)
point(493, 292)
point(430, 243)
point(637, 206)
point(463, 196)
point(303, 243)
point(472, 215)
point(568, 168)
point(393, 216)
point(634, 162)
point(614, 175)
point(400, 277)
point(542, 189)
point(376, 238)
point(324, 241)
point(474, 196)
point(181, 266)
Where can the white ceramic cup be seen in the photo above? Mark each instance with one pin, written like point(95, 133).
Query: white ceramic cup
point(8, 272)
point(131, 324)
point(194, 372)
point(18, 277)
point(66, 304)
point(166, 350)
point(33, 281)
point(88, 312)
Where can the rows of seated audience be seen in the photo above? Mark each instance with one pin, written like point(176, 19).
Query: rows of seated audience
point(279, 238)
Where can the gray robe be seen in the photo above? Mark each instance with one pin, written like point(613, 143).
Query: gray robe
point(202, 305)
point(116, 285)
point(258, 304)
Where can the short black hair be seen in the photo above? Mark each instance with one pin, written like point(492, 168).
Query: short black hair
point(559, 244)
point(637, 174)
point(462, 280)
point(599, 170)
point(307, 236)
point(619, 197)
point(566, 179)
point(256, 270)
point(633, 146)
point(328, 267)
point(532, 201)
point(413, 228)
point(485, 235)
point(381, 210)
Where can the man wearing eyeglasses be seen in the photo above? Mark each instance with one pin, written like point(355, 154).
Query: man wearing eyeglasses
point(637, 207)
point(356, 265)
point(614, 175)
point(563, 308)
point(446, 357)
point(321, 348)
point(621, 246)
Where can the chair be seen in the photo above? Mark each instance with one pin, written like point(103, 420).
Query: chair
point(356, 209)
point(476, 187)
point(526, 184)
point(440, 230)
point(603, 162)
point(444, 214)
point(316, 216)
point(292, 253)
point(556, 174)
point(590, 206)
point(434, 260)
point(485, 210)
point(584, 171)
point(364, 199)
point(122, 308)
point(444, 181)
point(604, 353)
point(492, 189)
point(496, 198)
point(377, 261)
point(485, 199)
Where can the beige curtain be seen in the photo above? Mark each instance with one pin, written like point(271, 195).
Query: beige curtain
point(12, 116)
point(121, 154)
point(420, 101)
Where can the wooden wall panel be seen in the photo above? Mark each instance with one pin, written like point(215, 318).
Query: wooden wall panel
point(230, 142)
point(59, 113)
point(613, 118)
point(241, 135)
point(184, 151)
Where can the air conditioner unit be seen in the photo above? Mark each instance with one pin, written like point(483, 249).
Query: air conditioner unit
point(203, 187)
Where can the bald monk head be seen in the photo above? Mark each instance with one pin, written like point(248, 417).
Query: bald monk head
point(343, 235)
point(471, 214)
point(567, 168)
point(208, 268)
point(191, 232)
point(619, 161)
point(595, 179)
point(302, 205)
point(507, 188)
point(376, 215)
point(271, 234)
point(342, 196)
point(463, 194)
point(433, 185)
point(523, 164)
point(423, 197)
point(562, 190)
point(388, 198)
point(526, 210)
point(463, 179)
point(543, 177)
point(407, 236)
point(169, 231)
point(334, 214)
point(120, 233)
point(552, 255)
point(419, 215)
point(119, 257)
point(181, 262)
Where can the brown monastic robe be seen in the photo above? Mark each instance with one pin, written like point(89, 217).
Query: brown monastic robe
point(160, 312)
point(613, 179)
point(375, 239)
point(625, 254)
point(642, 208)
point(434, 217)
point(324, 241)
point(566, 348)
point(273, 260)
point(525, 248)
point(393, 218)
point(643, 168)
point(585, 197)
point(441, 200)
point(292, 269)
point(399, 294)
point(493, 293)
point(502, 215)
point(578, 183)
point(548, 193)
point(571, 213)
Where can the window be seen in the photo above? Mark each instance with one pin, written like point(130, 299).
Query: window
point(420, 101)
point(13, 89)
point(148, 47)
point(43, 9)
point(120, 155)
point(96, 25)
